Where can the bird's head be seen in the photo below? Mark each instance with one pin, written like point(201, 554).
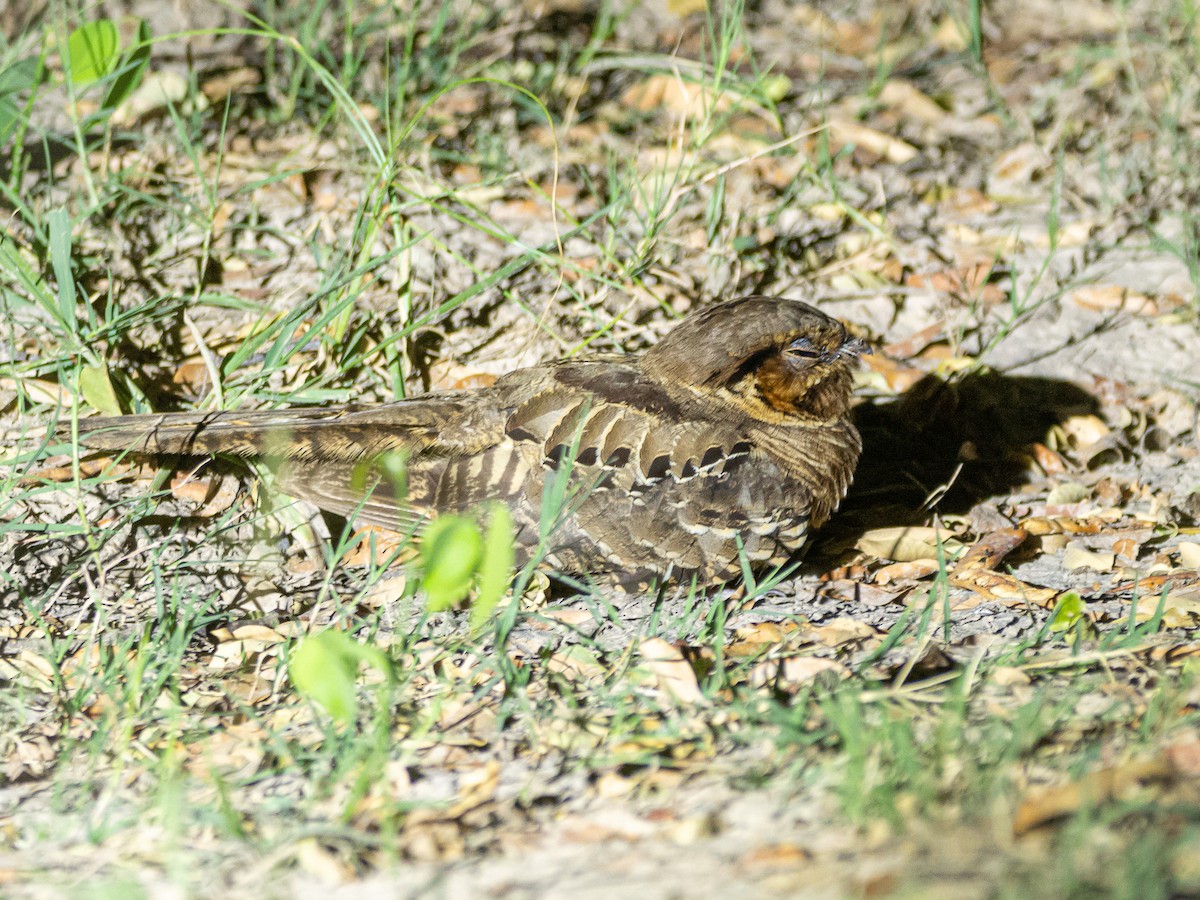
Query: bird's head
point(779, 360)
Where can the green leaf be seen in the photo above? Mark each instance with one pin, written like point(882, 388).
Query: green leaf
point(776, 87)
point(14, 264)
point(97, 390)
point(58, 221)
point(495, 565)
point(1069, 611)
point(323, 672)
point(390, 468)
point(132, 68)
point(23, 75)
point(324, 668)
point(451, 549)
point(92, 52)
point(10, 116)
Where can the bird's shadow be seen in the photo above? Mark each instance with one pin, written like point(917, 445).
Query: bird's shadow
point(949, 445)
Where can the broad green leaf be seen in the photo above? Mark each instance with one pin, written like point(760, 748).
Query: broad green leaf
point(97, 390)
point(324, 668)
point(1069, 611)
point(495, 565)
point(324, 672)
point(23, 75)
point(92, 52)
point(450, 552)
point(132, 68)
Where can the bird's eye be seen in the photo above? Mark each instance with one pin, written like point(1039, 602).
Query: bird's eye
point(802, 349)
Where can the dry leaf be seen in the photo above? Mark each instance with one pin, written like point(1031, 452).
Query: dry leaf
point(321, 863)
point(896, 376)
point(1013, 173)
point(217, 87)
point(30, 670)
point(1127, 548)
point(894, 150)
point(1009, 676)
point(1001, 588)
point(40, 391)
point(1066, 494)
point(1189, 554)
point(159, 90)
point(915, 342)
point(577, 663)
point(973, 278)
point(950, 36)
point(571, 617)
point(212, 496)
point(772, 855)
point(87, 469)
point(906, 571)
point(477, 787)
point(1184, 756)
point(793, 671)
point(966, 201)
point(1084, 431)
point(193, 375)
point(447, 375)
point(907, 543)
point(905, 97)
point(751, 640)
point(673, 673)
point(376, 546)
point(1179, 609)
point(843, 631)
point(1078, 556)
point(1042, 525)
point(1049, 461)
point(1112, 298)
point(677, 96)
point(388, 590)
point(988, 552)
point(1098, 787)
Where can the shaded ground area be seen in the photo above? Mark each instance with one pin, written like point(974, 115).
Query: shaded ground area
point(981, 679)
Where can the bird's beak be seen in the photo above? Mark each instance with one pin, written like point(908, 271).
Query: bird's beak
point(853, 348)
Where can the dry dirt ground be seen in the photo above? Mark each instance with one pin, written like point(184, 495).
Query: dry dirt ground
point(981, 680)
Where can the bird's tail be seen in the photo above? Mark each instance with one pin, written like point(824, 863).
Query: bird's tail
point(329, 433)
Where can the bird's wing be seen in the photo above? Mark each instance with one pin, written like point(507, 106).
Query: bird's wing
point(399, 492)
point(656, 474)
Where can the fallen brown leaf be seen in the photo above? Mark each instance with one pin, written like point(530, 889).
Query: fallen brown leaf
point(212, 496)
point(894, 150)
point(1099, 787)
point(907, 543)
point(793, 671)
point(906, 571)
point(843, 630)
point(672, 671)
point(1113, 298)
point(1077, 556)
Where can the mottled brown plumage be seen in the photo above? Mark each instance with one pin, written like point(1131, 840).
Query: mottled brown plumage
point(734, 429)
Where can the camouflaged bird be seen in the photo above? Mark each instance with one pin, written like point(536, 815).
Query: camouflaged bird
point(733, 430)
